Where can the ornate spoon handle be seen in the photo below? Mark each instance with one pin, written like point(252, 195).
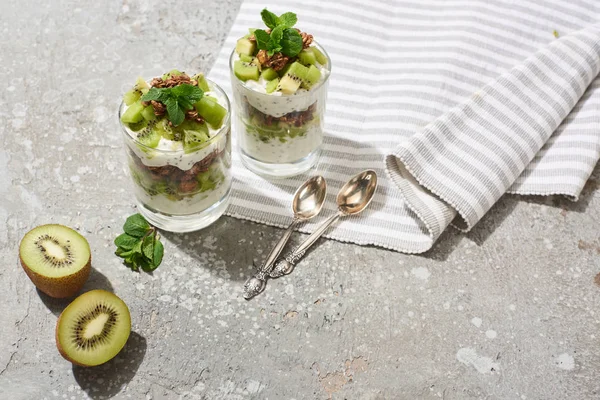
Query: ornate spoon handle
point(286, 265)
point(256, 284)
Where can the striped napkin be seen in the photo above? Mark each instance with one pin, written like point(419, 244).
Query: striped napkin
point(459, 101)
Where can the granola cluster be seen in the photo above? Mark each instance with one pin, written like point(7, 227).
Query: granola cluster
point(295, 118)
point(185, 182)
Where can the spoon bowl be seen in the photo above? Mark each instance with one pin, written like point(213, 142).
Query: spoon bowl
point(309, 198)
point(357, 193)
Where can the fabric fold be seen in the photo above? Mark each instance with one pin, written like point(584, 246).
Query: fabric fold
point(466, 159)
point(399, 65)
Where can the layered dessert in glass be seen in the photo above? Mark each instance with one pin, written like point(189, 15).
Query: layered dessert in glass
point(178, 138)
point(279, 80)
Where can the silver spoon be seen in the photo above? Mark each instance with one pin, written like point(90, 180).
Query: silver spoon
point(352, 198)
point(307, 203)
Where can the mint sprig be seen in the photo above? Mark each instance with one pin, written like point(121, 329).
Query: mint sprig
point(140, 245)
point(283, 38)
point(177, 99)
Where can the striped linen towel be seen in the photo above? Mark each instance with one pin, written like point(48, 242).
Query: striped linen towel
point(527, 120)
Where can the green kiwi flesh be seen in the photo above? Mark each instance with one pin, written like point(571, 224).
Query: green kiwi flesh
point(211, 111)
point(56, 258)
point(93, 328)
point(149, 136)
point(272, 85)
point(245, 71)
point(133, 113)
point(269, 74)
point(292, 80)
point(245, 46)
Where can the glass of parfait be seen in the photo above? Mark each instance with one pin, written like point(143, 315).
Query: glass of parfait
point(177, 132)
point(280, 106)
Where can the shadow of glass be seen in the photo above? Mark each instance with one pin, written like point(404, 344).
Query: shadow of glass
point(107, 380)
point(96, 281)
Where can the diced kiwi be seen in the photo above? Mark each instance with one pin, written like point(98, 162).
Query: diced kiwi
point(173, 72)
point(245, 46)
point(149, 136)
point(269, 74)
point(245, 71)
point(211, 98)
point(312, 76)
point(291, 81)
point(193, 138)
point(211, 111)
point(165, 130)
point(133, 113)
point(131, 97)
point(202, 83)
point(138, 126)
point(56, 258)
point(321, 59)
point(93, 328)
point(148, 113)
point(307, 56)
point(141, 85)
point(272, 85)
point(246, 58)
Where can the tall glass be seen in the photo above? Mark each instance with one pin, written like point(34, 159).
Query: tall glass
point(279, 135)
point(178, 191)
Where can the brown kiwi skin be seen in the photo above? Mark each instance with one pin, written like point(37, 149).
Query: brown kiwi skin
point(63, 287)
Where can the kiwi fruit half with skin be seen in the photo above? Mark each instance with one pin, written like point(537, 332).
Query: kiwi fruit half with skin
point(93, 328)
point(56, 258)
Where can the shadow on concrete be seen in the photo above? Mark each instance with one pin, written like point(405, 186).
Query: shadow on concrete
point(107, 380)
point(96, 281)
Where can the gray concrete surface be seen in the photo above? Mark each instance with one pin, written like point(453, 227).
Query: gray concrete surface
point(509, 311)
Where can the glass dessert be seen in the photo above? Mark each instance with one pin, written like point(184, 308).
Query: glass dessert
point(177, 132)
point(279, 80)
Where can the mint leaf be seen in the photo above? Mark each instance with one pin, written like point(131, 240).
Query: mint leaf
point(125, 241)
point(291, 42)
point(189, 92)
point(176, 115)
point(262, 39)
point(277, 34)
point(136, 226)
point(158, 253)
point(271, 20)
point(148, 247)
point(153, 94)
point(288, 19)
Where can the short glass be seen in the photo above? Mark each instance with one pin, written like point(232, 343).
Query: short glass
point(178, 191)
point(279, 135)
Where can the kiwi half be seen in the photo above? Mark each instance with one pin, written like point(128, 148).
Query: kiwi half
point(93, 328)
point(56, 258)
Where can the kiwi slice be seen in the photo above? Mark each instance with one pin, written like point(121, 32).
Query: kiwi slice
point(131, 97)
point(211, 111)
point(193, 138)
point(202, 83)
point(245, 46)
point(269, 74)
point(56, 258)
point(148, 113)
point(245, 71)
point(307, 56)
point(272, 85)
point(149, 136)
point(93, 328)
point(312, 76)
point(133, 113)
point(291, 81)
point(321, 59)
point(246, 58)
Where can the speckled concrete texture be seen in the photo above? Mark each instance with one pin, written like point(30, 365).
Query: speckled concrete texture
point(508, 311)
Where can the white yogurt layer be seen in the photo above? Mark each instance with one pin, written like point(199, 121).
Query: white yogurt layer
point(277, 152)
point(188, 205)
point(276, 103)
point(170, 152)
